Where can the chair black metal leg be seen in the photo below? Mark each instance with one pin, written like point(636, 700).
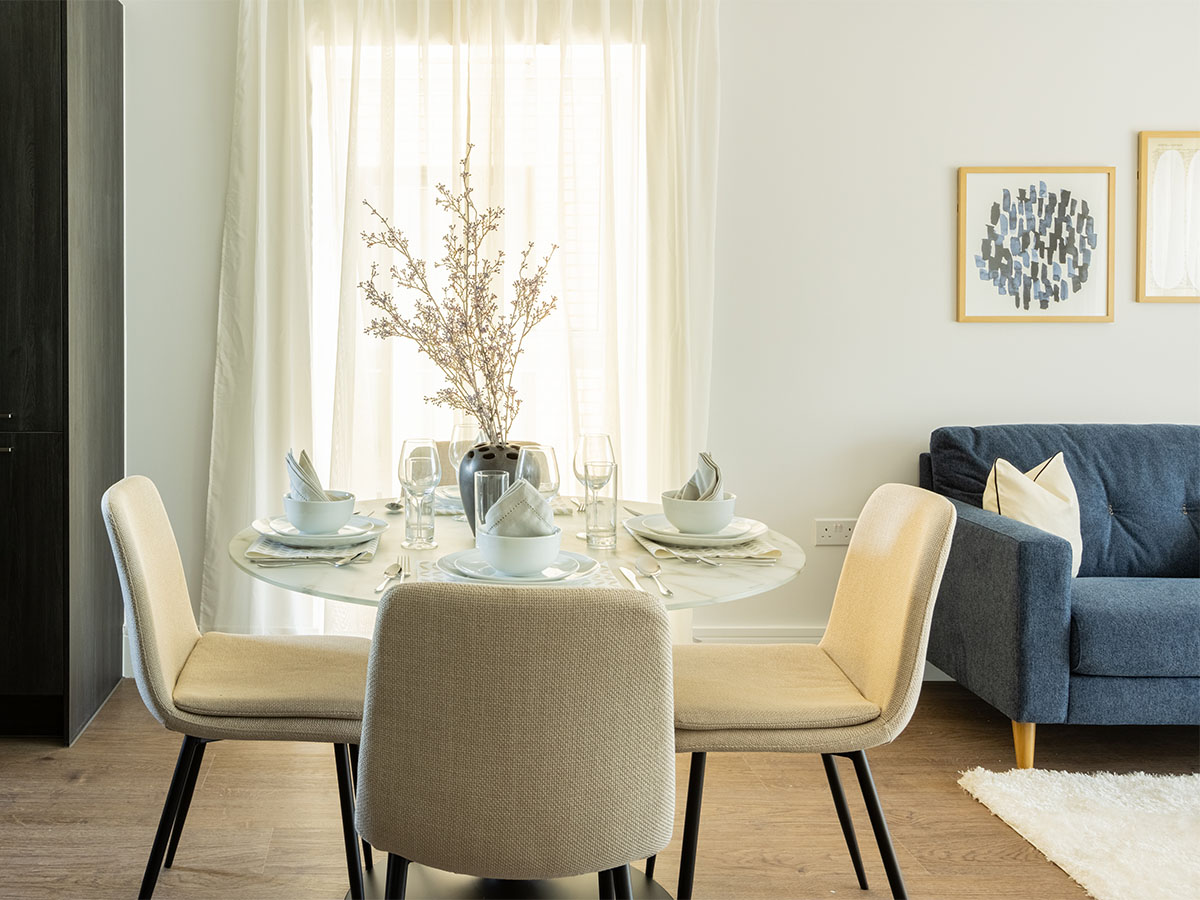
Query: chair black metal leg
point(878, 823)
point(166, 821)
point(622, 882)
point(607, 888)
point(185, 803)
point(843, 814)
point(650, 867)
point(691, 826)
point(368, 859)
point(341, 757)
point(397, 877)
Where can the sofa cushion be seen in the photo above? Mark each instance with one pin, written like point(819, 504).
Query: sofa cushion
point(1138, 487)
point(1135, 626)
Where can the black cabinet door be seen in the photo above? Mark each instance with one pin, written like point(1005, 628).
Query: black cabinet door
point(32, 564)
point(31, 216)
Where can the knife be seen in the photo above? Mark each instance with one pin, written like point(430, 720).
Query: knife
point(632, 579)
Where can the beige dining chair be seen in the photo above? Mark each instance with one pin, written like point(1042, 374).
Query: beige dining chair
point(855, 690)
point(518, 733)
point(213, 686)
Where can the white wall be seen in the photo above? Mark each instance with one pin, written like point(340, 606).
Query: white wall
point(841, 121)
point(842, 125)
point(179, 67)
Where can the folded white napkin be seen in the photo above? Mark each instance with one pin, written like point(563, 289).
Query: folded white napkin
point(520, 512)
point(305, 482)
point(705, 483)
point(265, 548)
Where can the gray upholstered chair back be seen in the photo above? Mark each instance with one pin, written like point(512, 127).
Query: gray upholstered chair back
point(517, 732)
point(158, 610)
point(879, 627)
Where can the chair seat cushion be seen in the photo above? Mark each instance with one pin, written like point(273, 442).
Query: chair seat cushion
point(785, 686)
point(275, 676)
point(1135, 626)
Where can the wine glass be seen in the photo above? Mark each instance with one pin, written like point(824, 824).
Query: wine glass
point(463, 437)
point(420, 471)
point(538, 465)
point(591, 448)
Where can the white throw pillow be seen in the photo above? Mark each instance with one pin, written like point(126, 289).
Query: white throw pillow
point(1043, 497)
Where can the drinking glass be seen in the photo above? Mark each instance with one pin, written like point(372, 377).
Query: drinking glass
point(489, 485)
point(600, 504)
point(420, 471)
point(463, 437)
point(595, 448)
point(591, 448)
point(538, 465)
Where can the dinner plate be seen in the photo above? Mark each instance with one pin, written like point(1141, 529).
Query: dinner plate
point(635, 524)
point(355, 525)
point(358, 535)
point(469, 565)
point(661, 525)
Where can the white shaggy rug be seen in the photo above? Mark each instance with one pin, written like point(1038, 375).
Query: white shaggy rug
point(1122, 837)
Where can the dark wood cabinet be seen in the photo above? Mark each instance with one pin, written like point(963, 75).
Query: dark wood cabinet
point(61, 359)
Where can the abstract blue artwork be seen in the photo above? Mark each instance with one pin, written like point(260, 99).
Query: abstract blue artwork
point(1037, 244)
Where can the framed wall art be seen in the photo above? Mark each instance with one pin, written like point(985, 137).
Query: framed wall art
point(1035, 243)
point(1168, 260)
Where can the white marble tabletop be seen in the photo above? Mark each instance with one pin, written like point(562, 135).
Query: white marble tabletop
point(693, 583)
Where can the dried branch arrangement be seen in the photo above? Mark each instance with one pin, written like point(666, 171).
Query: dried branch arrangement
point(466, 332)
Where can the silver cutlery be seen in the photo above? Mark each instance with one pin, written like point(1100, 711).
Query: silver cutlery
point(632, 579)
point(308, 560)
point(632, 512)
point(405, 568)
point(367, 514)
point(580, 506)
point(388, 574)
point(693, 558)
point(652, 570)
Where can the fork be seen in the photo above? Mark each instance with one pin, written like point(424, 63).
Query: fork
point(405, 566)
point(283, 563)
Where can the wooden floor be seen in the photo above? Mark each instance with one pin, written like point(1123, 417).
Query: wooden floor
point(264, 823)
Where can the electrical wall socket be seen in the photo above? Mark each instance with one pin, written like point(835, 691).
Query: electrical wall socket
point(834, 532)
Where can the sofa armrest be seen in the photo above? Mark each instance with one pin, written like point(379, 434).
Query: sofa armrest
point(1001, 624)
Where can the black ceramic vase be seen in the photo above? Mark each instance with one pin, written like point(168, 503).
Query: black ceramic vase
point(480, 458)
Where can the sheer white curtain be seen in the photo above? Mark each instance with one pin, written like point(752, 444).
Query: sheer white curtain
point(594, 125)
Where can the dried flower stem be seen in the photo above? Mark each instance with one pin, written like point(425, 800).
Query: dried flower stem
point(465, 333)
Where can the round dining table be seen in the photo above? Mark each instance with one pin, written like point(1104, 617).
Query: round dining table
point(692, 583)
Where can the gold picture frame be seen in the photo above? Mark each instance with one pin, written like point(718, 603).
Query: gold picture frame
point(1017, 280)
point(1170, 277)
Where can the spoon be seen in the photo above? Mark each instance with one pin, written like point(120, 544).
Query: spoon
point(394, 507)
point(651, 570)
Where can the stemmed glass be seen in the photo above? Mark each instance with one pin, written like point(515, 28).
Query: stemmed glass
point(538, 465)
point(463, 437)
point(420, 471)
point(591, 448)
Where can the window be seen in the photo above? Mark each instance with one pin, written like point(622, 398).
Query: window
point(559, 141)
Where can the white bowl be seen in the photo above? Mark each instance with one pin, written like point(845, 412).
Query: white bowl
point(698, 516)
point(519, 555)
point(319, 516)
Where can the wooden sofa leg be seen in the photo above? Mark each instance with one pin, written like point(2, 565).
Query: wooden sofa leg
point(1023, 733)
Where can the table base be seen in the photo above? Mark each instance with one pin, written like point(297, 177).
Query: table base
point(425, 882)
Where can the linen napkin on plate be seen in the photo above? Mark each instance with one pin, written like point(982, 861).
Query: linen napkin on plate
point(756, 549)
point(705, 483)
point(306, 483)
point(520, 512)
point(265, 548)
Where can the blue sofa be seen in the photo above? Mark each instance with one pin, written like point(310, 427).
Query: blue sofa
point(1119, 644)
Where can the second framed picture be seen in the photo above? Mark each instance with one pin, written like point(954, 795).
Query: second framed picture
point(1035, 244)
